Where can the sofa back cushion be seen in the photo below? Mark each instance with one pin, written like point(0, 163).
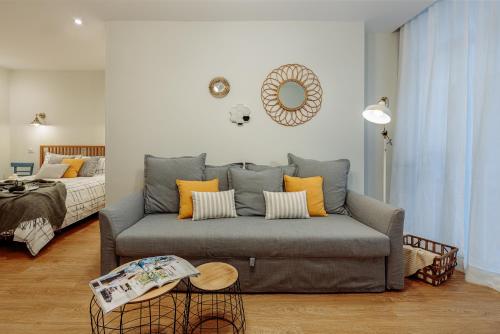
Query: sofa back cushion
point(334, 175)
point(160, 174)
point(289, 170)
point(220, 172)
point(249, 186)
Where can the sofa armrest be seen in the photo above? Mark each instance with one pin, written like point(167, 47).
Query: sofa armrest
point(387, 220)
point(113, 220)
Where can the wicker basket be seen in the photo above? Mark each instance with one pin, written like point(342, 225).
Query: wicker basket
point(444, 263)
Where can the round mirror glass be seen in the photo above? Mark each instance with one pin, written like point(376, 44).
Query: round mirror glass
point(292, 95)
point(219, 87)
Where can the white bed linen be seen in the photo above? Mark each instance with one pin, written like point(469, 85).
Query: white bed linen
point(85, 196)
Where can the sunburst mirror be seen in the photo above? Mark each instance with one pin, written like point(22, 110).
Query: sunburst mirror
point(291, 94)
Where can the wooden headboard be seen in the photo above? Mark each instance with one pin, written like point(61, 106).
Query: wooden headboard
point(88, 150)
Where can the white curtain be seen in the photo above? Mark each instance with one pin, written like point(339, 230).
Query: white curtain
point(446, 159)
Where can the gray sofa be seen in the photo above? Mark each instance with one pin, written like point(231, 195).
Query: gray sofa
point(360, 252)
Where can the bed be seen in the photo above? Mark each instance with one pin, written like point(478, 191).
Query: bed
point(84, 197)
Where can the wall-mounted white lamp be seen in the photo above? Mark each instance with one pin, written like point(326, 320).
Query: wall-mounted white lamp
point(39, 117)
point(381, 114)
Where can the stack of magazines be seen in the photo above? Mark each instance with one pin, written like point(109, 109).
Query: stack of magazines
point(136, 278)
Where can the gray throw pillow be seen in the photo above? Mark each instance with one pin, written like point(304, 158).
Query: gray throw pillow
point(289, 170)
point(220, 172)
point(89, 166)
point(160, 174)
point(334, 175)
point(249, 186)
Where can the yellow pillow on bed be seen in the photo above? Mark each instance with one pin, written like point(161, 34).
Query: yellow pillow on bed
point(185, 194)
point(74, 167)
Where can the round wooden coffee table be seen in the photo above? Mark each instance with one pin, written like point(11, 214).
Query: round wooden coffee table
point(214, 276)
point(215, 302)
point(159, 310)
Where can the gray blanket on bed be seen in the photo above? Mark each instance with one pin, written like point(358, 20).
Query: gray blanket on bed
point(49, 202)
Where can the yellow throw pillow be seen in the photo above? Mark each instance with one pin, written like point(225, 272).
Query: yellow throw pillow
point(185, 195)
point(74, 167)
point(314, 189)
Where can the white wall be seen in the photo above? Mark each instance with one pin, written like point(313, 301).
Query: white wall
point(157, 77)
point(4, 124)
point(381, 77)
point(73, 102)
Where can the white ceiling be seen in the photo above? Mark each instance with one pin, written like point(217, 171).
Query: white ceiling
point(40, 34)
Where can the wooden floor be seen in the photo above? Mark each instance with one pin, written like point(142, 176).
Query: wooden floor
point(49, 294)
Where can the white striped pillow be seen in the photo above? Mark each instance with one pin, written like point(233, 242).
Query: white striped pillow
point(286, 205)
point(207, 205)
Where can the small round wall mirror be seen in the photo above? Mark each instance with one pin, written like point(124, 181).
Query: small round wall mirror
point(219, 87)
point(292, 95)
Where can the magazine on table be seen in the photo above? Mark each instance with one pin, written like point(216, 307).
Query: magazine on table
point(136, 278)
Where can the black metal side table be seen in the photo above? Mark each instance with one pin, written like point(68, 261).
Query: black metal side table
point(161, 310)
point(215, 302)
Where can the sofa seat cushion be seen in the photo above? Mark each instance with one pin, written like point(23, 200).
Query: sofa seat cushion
point(321, 237)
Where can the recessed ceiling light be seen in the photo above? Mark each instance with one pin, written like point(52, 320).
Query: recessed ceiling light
point(77, 21)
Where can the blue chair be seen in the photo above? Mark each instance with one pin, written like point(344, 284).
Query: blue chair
point(23, 168)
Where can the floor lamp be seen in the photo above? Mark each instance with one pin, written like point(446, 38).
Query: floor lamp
point(381, 114)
